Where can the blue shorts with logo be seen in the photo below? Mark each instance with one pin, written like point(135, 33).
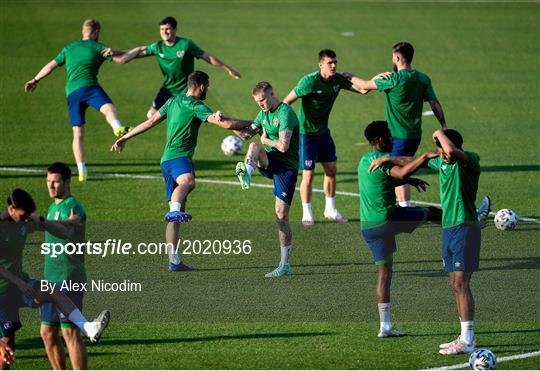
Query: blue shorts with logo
point(51, 315)
point(284, 178)
point(381, 240)
point(405, 147)
point(316, 148)
point(461, 248)
point(162, 96)
point(10, 303)
point(80, 99)
point(172, 169)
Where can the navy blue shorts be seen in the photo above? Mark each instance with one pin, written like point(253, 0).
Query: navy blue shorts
point(461, 248)
point(51, 315)
point(162, 96)
point(316, 148)
point(405, 147)
point(381, 240)
point(172, 169)
point(10, 303)
point(80, 99)
point(284, 179)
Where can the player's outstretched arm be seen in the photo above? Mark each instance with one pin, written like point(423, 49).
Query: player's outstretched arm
point(282, 144)
point(31, 85)
point(214, 61)
point(139, 129)
point(438, 112)
point(123, 57)
point(248, 132)
point(21, 285)
point(360, 85)
point(64, 229)
point(6, 353)
point(225, 122)
point(290, 98)
point(402, 172)
point(452, 152)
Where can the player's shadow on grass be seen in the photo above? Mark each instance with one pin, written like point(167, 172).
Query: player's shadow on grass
point(275, 335)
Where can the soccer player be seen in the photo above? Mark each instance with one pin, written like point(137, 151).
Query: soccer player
point(276, 158)
point(381, 220)
point(317, 92)
point(405, 91)
point(65, 208)
point(17, 290)
point(83, 58)
point(185, 114)
point(176, 56)
point(459, 172)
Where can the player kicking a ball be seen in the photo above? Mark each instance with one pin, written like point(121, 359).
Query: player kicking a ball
point(185, 114)
point(83, 59)
point(381, 220)
point(276, 157)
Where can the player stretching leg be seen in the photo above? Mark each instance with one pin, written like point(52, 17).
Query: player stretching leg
point(276, 158)
point(185, 114)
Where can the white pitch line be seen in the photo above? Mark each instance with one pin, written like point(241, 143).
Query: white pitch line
point(499, 360)
point(227, 182)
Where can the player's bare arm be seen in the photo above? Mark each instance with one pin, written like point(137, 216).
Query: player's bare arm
point(21, 285)
point(419, 184)
point(282, 144)
point(248, 132)
point(224, 122)
point(155, 119)
point(397, 161)
point(290, 98)
point(123, 57)
point(402, 172)
point(214, 61)
point(360, 85)
point(452, 152)
point(31, 85)
point(54, 227)
point(438, 112)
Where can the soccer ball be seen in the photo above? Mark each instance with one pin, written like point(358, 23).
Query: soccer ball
point(505, 219)
point(231, 145)
point(483, 359)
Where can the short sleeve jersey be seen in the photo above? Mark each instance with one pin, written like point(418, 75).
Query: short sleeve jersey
point(176, 62)
point(82, 58)
point(185, 114)
point(283, 118)
point(64, 266)
point(377, 194)
point(317, 99)
point(459, 184)
point(12, 240)
point(405, 92)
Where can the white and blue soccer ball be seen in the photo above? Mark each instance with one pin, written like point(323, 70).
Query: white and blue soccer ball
point(482, 359)
point(231, 145)
point(505, 219)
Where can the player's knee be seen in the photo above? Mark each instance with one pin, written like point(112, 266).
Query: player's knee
point(71, 335)
point(49, 334)
point(330, 171)
point(307, 177)
point(460, 285)
point(254, 146)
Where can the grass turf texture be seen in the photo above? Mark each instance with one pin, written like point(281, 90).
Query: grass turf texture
point(483, 59)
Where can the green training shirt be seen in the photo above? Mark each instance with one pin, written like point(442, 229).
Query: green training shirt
point(176, 62)
point(12, 241)
point(405, 93)
point(459, 184)
point(317, 99)
point(82, 58)
point(377, 194)
point(185, 114)
point(283, 118)
point(64, 266)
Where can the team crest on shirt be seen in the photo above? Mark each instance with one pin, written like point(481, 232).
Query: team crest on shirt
point(161, 55)
point(275, 122)
point(336, 88)
point(308, 163)
point(57, 215)
point(318, 91)
point(180, 53)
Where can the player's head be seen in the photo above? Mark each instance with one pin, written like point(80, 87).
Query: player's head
point(91, 29)
point(455, 137)
point(59, 180)
point(327, 62)
point(263, 93)
point(402, 54)
point(167, 28)
point(198, 83)
point(20, 205)
point(378, 135)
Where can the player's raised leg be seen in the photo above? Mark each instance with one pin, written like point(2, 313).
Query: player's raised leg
point(111, 115)
point(255, 157)
point(330, 211)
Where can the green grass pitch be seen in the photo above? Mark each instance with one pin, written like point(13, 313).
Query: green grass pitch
point(484, 61)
